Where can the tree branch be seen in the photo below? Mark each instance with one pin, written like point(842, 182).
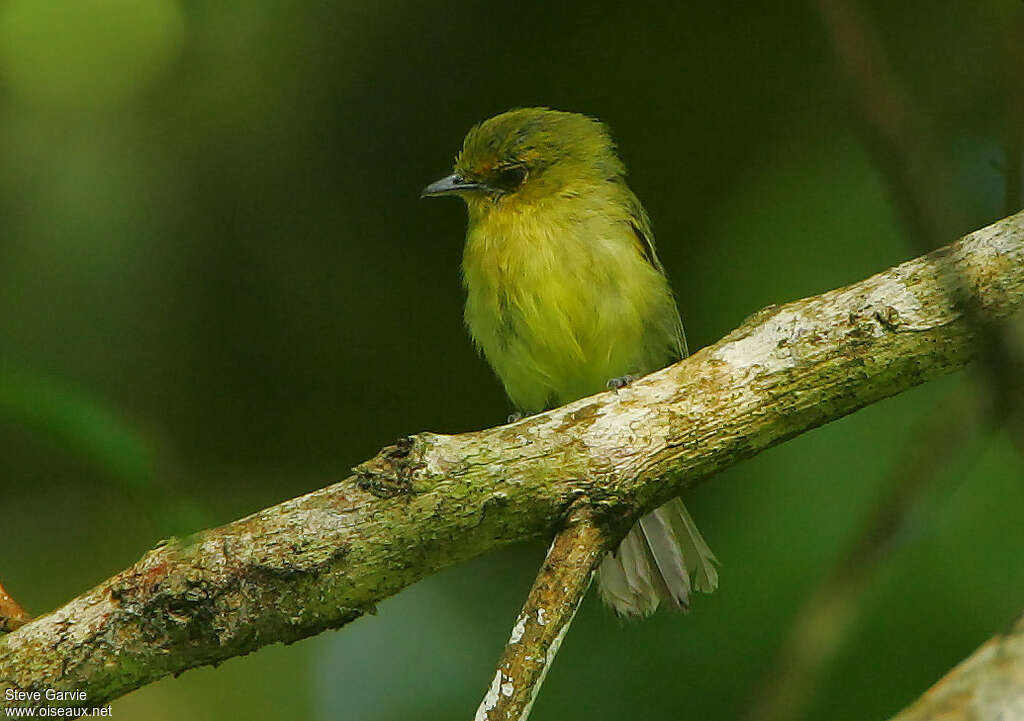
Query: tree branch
point(321, 560)
point(902, 143)
point(557, 592)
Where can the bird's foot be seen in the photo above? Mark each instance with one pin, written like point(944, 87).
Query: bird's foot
point(513, 417)
point(615, 384)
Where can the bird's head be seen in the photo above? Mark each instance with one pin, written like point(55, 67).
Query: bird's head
point(528, 155)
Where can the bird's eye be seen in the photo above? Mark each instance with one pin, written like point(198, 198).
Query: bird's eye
point(511, 177)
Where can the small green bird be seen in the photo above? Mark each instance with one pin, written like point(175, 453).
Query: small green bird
point(565, 293)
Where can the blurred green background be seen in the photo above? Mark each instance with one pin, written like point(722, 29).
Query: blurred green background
point(219, 290)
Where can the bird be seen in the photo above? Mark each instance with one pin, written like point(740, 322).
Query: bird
point(565, 297)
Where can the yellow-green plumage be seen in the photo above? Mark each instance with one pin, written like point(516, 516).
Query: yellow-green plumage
point(564, 293)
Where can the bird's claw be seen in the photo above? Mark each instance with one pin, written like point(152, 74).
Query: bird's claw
point(513, 417)
point(615, 384)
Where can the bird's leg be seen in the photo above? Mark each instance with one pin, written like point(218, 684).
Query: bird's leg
point(515, 416)
point(615, 384)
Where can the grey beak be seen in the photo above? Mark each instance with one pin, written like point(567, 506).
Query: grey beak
point(450, 185)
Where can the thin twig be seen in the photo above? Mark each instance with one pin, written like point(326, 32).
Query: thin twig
point(557, 592)
point(12, 615)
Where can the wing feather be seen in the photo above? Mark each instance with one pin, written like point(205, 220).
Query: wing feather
point(643, 235)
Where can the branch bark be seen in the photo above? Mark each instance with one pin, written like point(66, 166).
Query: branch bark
point(557, 592)
point(321, 560)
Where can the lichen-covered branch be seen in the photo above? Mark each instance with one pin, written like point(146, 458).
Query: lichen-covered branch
point(987, 686)
point(318, 561)
point(561, 583)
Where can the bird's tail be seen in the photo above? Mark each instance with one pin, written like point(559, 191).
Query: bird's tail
point(655, 564)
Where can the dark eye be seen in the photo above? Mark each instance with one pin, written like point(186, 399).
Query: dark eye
point(511, 177)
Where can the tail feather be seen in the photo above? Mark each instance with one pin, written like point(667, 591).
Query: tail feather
point(668, 556)
point(636, 565)
point(625, 578)
point(655, 562)
point(700, 561)
point(612, 583)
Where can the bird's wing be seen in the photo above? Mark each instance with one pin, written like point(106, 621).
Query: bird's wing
point(640, 222)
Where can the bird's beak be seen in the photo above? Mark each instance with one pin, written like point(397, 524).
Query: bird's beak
point(449, 186)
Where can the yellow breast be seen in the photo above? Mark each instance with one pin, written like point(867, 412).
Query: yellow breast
point(560, 301)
